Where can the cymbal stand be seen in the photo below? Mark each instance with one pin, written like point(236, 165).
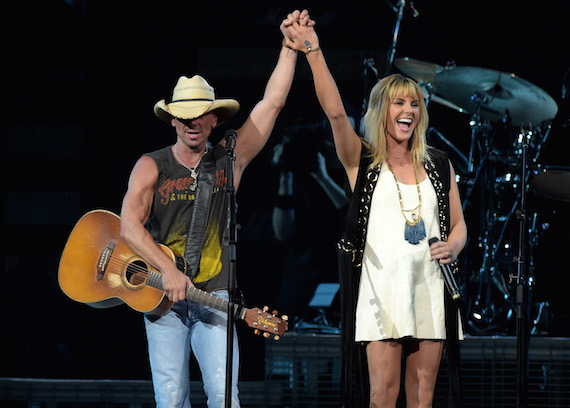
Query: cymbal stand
point(475, 121)
point(369, 66)
point(396, 33)
point(539, 145)
point(477, 128)
point(429, 90)
point(521, 287)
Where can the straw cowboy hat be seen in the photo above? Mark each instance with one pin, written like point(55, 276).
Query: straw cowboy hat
point(192, 98)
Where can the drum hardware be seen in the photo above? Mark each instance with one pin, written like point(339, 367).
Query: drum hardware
point(497, 226)
point(369, 66)
point(395, 34)
point(479, 130)
point(496, 101)
point(541, 142)
point(491, 312)
point(485, 315)
point(541, 315)
point(476, 127)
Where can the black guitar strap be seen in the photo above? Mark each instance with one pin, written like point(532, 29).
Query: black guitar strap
point(197, 224)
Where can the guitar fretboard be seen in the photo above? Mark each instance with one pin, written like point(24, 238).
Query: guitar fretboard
point(195, 295)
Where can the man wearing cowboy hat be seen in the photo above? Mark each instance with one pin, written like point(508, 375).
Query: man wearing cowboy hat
point(162, 196)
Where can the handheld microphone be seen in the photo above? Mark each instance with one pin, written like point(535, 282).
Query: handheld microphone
point(448, 278)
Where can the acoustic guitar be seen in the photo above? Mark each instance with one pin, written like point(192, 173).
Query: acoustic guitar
point(98, 268)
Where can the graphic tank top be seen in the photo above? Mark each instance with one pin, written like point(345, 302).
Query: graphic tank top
point(172, 209)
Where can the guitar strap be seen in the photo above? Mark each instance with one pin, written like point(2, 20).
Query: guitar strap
point(199, 220)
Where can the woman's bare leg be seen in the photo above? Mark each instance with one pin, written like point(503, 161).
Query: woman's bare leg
point(384, 366)
point(422, 366)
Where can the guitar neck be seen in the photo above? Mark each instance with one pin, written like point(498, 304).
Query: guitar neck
point(197, 295)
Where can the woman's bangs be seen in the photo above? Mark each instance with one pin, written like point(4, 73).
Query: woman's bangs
point(405, 89)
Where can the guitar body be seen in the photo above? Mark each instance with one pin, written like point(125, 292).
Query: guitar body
point(99, 269)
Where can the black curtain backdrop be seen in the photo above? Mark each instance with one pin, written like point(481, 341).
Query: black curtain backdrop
point(81, 78)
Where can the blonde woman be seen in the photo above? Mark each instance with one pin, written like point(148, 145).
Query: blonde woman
point(394, 304)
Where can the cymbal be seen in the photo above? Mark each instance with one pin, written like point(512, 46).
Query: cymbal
point(425, 73)
point(421, 71)
point(497, 93)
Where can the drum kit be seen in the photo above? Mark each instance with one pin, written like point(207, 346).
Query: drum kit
point(509, 120)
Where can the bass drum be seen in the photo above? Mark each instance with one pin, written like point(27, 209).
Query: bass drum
point(549, 197)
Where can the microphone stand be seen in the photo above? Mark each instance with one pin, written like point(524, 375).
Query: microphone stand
point(521, 289)
point(230, 138)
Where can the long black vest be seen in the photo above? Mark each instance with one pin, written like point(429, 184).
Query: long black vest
point(354, 378)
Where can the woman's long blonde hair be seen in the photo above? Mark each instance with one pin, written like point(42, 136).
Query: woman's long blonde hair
point(375, 119)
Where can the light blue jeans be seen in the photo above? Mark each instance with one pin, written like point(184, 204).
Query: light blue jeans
point(190, 326)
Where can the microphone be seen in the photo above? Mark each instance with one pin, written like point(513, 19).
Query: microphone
point(230, 138)
point(448, 278)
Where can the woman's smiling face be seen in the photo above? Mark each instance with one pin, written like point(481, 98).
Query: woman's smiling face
point(403, 116)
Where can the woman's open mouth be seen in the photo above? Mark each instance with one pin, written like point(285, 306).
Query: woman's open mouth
point(405, 124)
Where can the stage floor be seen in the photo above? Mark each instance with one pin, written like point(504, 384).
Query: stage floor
point(303, 370)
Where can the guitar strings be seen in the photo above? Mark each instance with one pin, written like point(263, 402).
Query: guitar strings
point(118, 263)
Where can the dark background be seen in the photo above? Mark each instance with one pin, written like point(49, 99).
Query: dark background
point(80, 80)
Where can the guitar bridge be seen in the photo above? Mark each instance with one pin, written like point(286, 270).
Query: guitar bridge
point(104, 259)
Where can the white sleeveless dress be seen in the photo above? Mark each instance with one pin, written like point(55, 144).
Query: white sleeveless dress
point(401, 289)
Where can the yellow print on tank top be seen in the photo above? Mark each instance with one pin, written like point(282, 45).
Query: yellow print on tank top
point(211, 260)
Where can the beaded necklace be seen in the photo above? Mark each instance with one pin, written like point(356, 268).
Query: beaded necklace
point(415, 229)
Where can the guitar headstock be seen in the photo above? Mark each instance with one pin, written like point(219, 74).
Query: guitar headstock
point(266, 323)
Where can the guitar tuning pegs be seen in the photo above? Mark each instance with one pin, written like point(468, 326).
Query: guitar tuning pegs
point(257, 331)
point(274, 313)
point(276, 337)
point(265, 308)
point(285, 318)
point(266, 335)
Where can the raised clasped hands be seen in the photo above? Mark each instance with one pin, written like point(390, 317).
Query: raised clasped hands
point(298, 28)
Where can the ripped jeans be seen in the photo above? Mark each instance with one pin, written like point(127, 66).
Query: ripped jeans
point(189, 325)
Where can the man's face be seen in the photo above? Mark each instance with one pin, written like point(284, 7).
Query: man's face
point(195, 132)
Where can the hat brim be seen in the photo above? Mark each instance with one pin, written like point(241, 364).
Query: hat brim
point(225, 109)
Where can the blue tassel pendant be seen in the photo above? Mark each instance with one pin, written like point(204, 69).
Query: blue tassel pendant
point(414, 233)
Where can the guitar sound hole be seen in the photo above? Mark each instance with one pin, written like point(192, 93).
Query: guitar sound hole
point(136, 273)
